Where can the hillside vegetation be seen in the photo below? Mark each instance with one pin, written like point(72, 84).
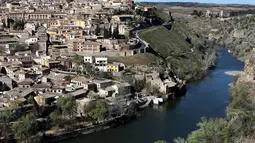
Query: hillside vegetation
point(182, 51)
point(237, 33)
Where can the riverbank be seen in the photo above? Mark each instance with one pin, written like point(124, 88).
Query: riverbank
point(63, 134)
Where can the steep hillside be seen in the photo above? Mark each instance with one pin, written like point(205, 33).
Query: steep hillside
point(186, 54)
point(164, 42)
point(237, 33)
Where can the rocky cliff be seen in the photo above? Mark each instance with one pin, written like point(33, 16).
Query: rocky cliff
point(236, 33)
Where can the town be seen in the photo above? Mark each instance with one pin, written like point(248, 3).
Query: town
point(58, 64)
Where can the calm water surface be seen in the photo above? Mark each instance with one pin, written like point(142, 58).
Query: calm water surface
point(205, 98)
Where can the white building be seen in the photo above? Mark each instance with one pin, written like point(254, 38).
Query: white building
point(101, 63)
point(89, 59)
point(221, 13)
point(31, 40)
point(30, 26)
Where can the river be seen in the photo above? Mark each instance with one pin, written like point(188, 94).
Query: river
point(204, 98)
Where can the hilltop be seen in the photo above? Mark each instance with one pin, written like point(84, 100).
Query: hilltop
point(182, 50)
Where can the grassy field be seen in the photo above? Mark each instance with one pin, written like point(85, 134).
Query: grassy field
point(165, 42)
point(138, 59)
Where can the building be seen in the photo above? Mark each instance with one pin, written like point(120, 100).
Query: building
point(208, 13)
point(115, 67)
point(165, 86)
point(37, 15)
point(122, 89)
point(90, 86)
point(103, 83)
point(221, 13)
point(106, 92)
point(85, 46)
point(89, 59)
point(53, 64)
point(101, 63)
point(31, 40)
point(27, 83)
point(80, 81)
point(30, 26)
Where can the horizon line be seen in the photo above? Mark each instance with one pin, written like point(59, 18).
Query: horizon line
point(194, 2)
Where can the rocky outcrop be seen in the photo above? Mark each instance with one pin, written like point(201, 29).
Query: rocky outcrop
point(248, 74)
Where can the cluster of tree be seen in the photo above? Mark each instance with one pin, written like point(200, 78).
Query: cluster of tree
point(18, 47)
point(241, 12)
point(197, 13)
point(27, 128)
point(24, 129)
point(16, 25)
point(108, 33)
point(154, 16)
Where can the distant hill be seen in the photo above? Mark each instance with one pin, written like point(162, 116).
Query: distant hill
point(196, 4)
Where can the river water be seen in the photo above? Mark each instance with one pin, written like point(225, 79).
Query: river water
point(204, 98)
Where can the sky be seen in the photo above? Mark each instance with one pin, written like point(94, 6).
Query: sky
point(205, 1)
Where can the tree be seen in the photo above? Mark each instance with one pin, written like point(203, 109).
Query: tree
point(127, 34)
point(79, 63)
point(179, 140)
point(103, 75)
point(89, 107)
point(10, 22)
point(197, 13)
point(99, 113)
point(92, 95)
point(5, 118)
point(115, 34)
point(160, 141)
point(67, 106)
point(25, 128)
point(107, 33)
point(211, 131)
point(89, 69)
point(139, 84)
point(55, 118)
point(83, 67)
point(16, 103)
point(97, 30)
point(18, 25)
